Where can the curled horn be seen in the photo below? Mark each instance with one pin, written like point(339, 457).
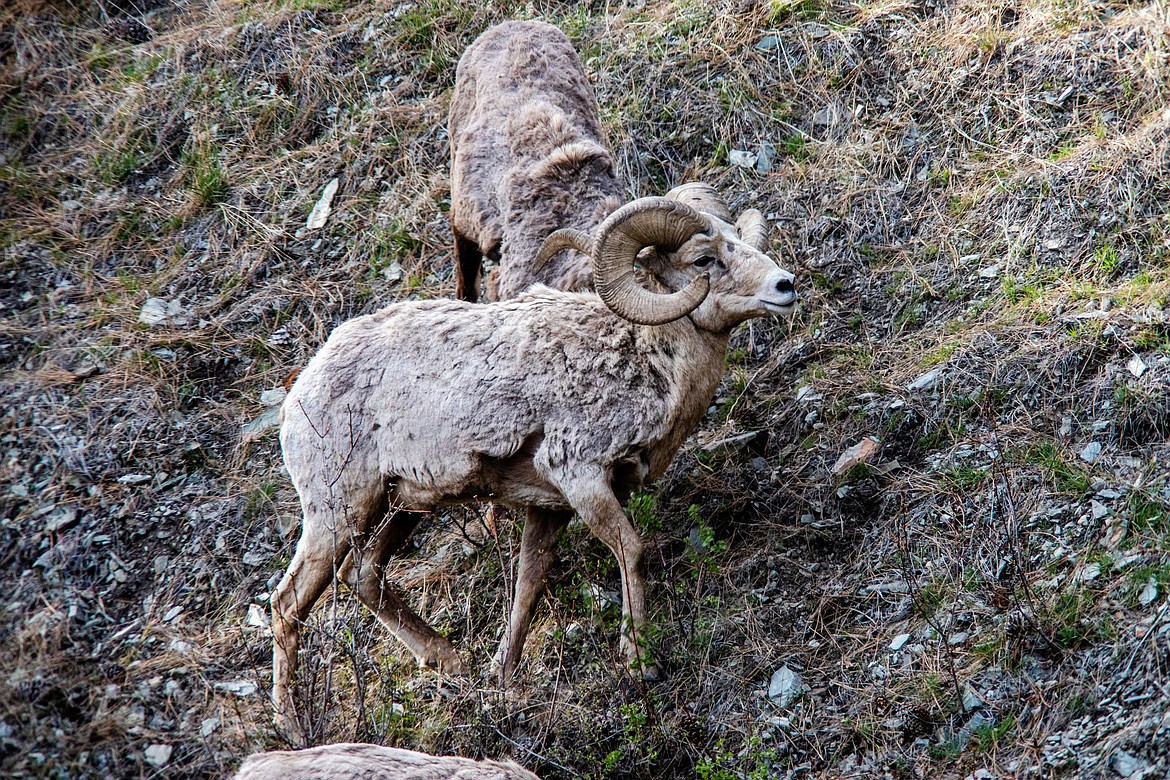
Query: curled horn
point(753, 229)
point(660, 222)
point(565, 238)
point(703, 197)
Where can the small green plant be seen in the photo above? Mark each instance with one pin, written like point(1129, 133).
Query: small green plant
point(795, 145)
point(707, 769)
point(1067, 477)
point(1063, 151)
point(706, 547)
point(139, 70)
point(827, 283)
point(1018, 291)
point(964, 477)
point(129, 282)
point(1107, 259)
point(780, 10)
point(1141, 577)
point(259, 498)
point(1074, 619)
point(393, 243)
point(315, 5)
point(947, 750)
point(938, 176)
point(1152, 338)
point(946, 434)
point(960, 205)
point(737, 356)
point(930, 597)
point(993, 650)
point(114, 166)
point(1146, 511)
point(205, 175)
point(644, 511)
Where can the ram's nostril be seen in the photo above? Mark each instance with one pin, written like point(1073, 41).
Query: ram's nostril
point(784, 286)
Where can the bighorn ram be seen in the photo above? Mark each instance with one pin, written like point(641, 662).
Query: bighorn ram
point(351, 761)
point(527, 158)
point(555, 401)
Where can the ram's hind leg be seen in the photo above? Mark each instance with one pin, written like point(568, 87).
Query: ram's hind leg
point(308, 575)
point(538, 547)
point(364, 573)
point(468, 265)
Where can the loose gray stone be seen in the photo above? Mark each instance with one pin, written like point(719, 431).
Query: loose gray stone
point(157, 311)
point(1136, 366)
point(806, 394)
point(733, 445)
point(1091, 452)
point(1127, 764)
point(240, 688)
point(764, 157)
point(273, 396)
point(786, 686)
point(924, 382)
point(971, 700)
point(1149, 592)
point(861, 452)
point(742, 158)
point(322, 207)
point(158, 755)
point(393, 272)
point(979, 720)
point(268, 420)
point(830, 115)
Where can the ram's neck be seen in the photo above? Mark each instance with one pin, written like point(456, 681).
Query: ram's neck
point(694, 358)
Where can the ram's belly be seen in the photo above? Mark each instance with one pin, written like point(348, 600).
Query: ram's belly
point(509, 477)
point(515, 491)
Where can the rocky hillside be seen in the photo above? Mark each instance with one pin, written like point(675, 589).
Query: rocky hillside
point(923, 531)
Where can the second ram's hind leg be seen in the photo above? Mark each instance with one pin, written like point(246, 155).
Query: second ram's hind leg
point(593, 498)
point(364, 573)
point(468, 265)
point(538, 545)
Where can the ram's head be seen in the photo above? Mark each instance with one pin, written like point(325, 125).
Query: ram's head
point(712, 270)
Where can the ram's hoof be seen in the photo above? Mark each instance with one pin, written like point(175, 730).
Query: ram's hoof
point(446, 663)
point(286, 725)
point(648, 673)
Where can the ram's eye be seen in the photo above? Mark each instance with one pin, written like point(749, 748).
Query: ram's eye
point(704, 261)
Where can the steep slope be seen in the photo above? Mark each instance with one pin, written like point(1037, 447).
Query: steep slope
point(974, 197)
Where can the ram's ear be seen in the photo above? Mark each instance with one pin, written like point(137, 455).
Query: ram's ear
point(651, 258)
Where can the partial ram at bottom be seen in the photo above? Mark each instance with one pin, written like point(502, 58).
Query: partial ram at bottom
point(352, 761)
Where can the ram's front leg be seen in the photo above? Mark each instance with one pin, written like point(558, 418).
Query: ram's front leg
point(593, 499)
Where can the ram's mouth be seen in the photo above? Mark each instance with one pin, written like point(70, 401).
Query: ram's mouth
point(775, 307)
